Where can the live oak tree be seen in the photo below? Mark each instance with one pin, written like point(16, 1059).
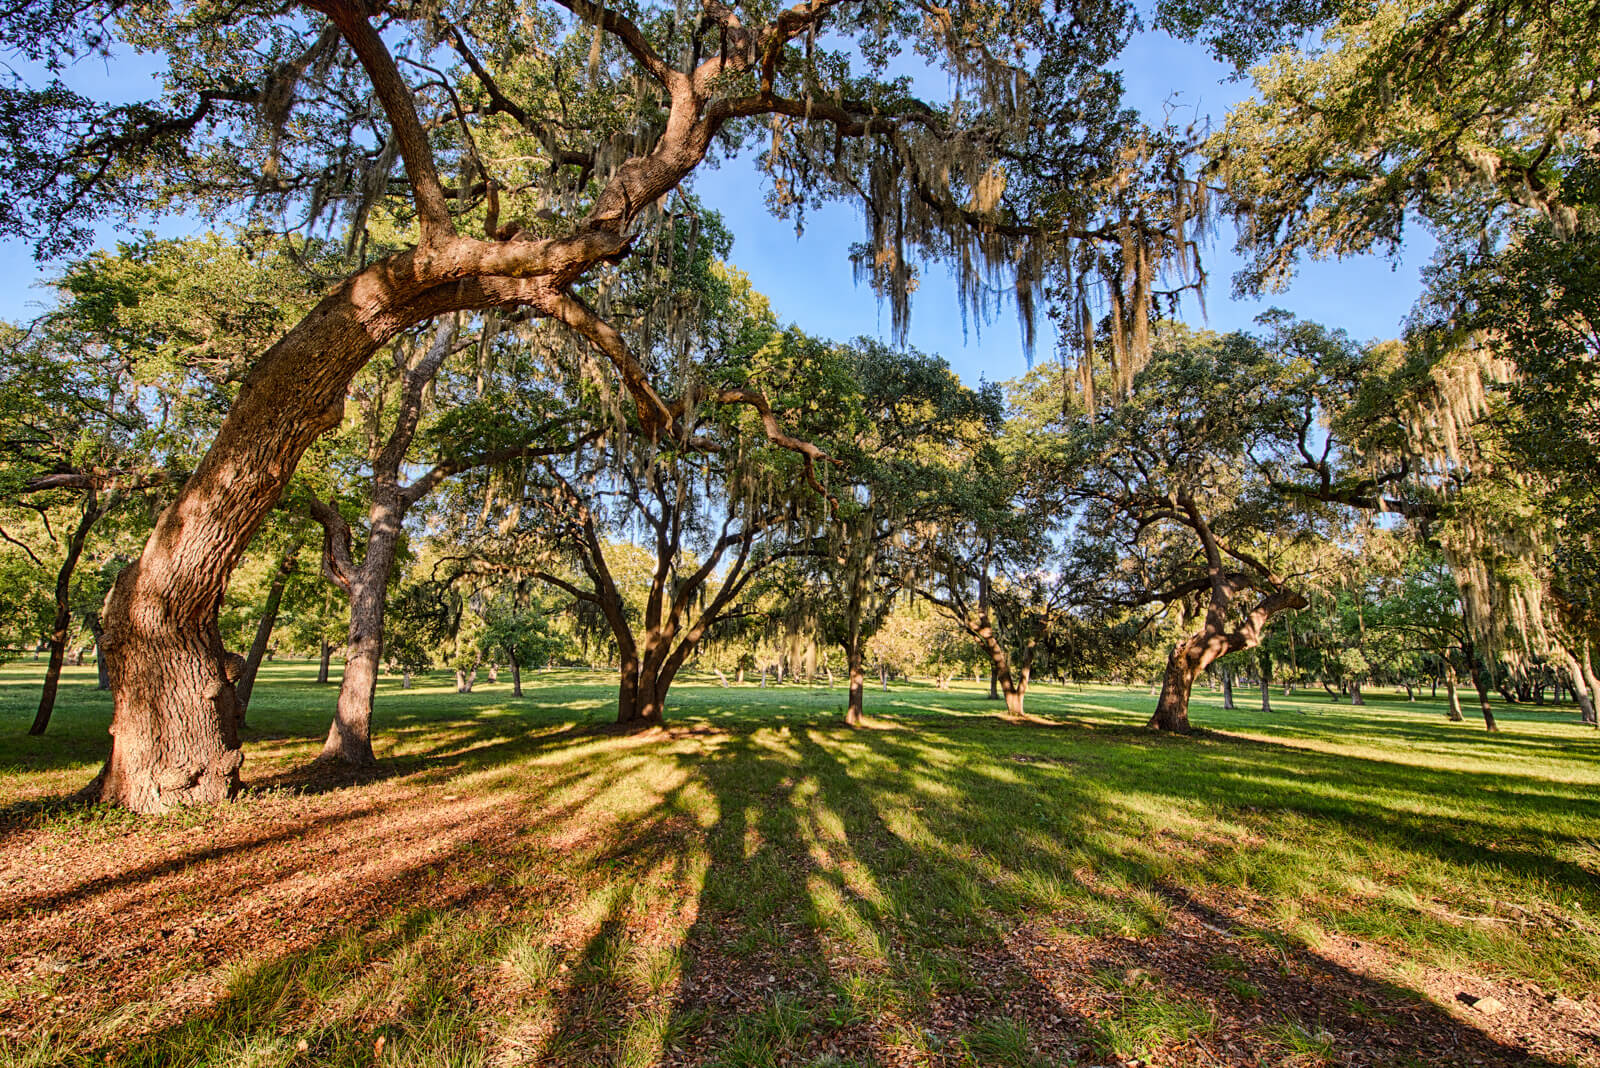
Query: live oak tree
point(709, 520)
point(482, 431)
point(1174, 512)
point(1426, 610)
point(1535, 304)
point(908, 415)
point(517, 625)
point(1477, 121)
point(989, 560)
point(1416, 430)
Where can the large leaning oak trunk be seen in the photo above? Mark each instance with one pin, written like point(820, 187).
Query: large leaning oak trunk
point(1215, 639)
point(174, 737)
point(174, 724)
point(1200, 650)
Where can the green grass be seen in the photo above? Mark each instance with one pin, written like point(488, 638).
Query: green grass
point(608, 882)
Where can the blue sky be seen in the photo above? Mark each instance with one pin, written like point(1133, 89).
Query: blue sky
point(809, 278)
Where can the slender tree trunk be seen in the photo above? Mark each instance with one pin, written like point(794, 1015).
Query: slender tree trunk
point(325, 662)
point(854, 658)
point(516, 676)
point(1227, 687)
point(350, 734)
point(1266, 693)
point(1581, 694)
point(269, 617)
point(1452, 695)
point(1480, 683)
point(994, 683)
point(102, 678)
point(738, 676)
point(63, 618)
point(883, 674)
point(628, 690)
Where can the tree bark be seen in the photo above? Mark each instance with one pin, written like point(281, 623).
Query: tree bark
point(1227, 687)
point(1355, 692)
point(269, 617)
point(1452, 695)
point(1481, 684)
point(92, 511)
point(642, 696)
point(516, 675)
point(349, 737)
point(102, 678)
point(1184, 665)
point(325, 662)
point(855, 658)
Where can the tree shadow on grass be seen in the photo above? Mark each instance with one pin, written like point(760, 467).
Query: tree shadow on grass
point(396, 922)
point(963, 893)
point(951, 823)
point(810, 945)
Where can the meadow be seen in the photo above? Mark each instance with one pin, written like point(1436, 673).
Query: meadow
point(758, 884)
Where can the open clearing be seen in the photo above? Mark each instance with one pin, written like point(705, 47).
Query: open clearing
point(758, 884)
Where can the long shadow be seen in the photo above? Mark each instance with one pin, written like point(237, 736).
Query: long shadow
point(852, 893)
point(1182, 952)
point(372, 936)
point(816, 938)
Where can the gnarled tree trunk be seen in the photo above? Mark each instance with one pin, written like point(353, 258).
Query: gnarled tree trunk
point(1195, 653)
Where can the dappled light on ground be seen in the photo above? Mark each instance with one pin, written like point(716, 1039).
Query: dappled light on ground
point(757, 884)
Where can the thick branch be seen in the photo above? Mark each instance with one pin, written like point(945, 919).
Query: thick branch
point(338, 565)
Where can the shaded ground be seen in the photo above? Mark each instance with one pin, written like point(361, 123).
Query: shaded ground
point(759, 885)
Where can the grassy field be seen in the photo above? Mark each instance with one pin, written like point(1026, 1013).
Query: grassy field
point(759, 885)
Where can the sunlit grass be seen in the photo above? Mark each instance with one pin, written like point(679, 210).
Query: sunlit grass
point(583, 889)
